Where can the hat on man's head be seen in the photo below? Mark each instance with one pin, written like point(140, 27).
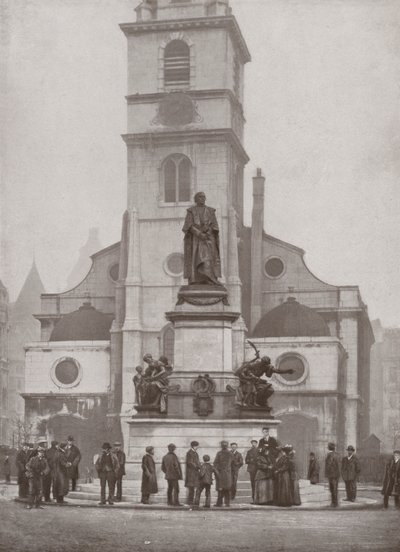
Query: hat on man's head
point(224, 443)
point(106, 446)
point(54, 443)
point(171, 447)
point(62, 445)
point(331, 446)
point(265, 428)
point(194, 444)
point(149, 448)
point(351, 448)
point(287, 448)
point(70, 438)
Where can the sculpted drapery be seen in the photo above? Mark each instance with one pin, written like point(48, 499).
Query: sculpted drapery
point(202, 263)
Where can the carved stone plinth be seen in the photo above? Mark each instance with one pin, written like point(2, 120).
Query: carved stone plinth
point(202, 295)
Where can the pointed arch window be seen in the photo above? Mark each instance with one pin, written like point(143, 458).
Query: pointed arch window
point(177, 64)
point(177, 173)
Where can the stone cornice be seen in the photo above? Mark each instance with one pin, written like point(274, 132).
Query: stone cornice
point(179, 137)
point(228, 22)
point(61, 395)
point(194, 94)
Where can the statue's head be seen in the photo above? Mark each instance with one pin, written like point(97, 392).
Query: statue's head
point(265, 360)
point(200, 198)
point(139, 369)
point(147, 357)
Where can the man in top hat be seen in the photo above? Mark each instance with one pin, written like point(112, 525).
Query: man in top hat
point(192, 471)
point(50, 454)
point(120, 454)
point(391, 482)
point(73, 455)
point(350, 471)
point(107, 467)
point(332, 472)
point(36, 468)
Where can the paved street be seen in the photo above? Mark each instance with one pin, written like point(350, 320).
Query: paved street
point(58, 529)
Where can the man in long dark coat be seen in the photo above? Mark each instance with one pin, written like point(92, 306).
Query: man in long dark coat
point(21, 461)
point(350, 471)
point(332, 472)
point(36, 468)
point(120, 454)
point(171, 466)
point(237, 463)
point(60, 474)
point(251, 461)
point(149, 476)
point(391, 482)
point(107, 467)
point(223, 465)
point(74, 457)
point(202, 263)
point(49, 478)
point(192, 471)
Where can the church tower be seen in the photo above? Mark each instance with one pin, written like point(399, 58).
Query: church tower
point(186, 63)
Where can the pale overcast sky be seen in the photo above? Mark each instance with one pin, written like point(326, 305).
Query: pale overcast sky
point(322, 110)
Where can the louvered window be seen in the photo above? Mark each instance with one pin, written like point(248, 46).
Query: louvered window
point(177, 64)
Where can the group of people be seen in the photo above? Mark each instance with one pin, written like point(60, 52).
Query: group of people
point(271, 467)
point(272, 471)
point(43, 471)
point(349, 468)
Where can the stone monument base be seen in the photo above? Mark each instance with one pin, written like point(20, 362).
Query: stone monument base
point(160, 432)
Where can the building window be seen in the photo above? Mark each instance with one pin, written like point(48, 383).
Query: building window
point(113, 272)
point(173, 265)
point(293, 362)
point(177, 64)
point(177, 179)
point(274, 267)
point(168, 343)
point(66, 372)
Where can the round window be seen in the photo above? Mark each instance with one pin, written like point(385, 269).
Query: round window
point(66, 372)
point(174, 264)
point(274, 267)
point(113, 272)
point(297, 367)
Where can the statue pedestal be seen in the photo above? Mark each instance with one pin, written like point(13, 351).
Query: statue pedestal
point(203, 409)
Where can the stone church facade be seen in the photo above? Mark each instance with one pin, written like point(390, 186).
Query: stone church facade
point(185, 134)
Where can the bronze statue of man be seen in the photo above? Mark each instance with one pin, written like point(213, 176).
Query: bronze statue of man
point(201, 244)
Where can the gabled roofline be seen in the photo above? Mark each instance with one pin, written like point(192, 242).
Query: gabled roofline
point(106, 249)
point(285, 244)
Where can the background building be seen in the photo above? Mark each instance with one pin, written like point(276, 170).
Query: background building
point(4, 366)
point(185, 134)
point(385, 386)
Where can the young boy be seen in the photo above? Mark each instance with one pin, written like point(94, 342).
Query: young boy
point(206, 478)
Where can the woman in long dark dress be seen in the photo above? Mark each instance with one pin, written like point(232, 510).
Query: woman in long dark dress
point(283, 495)
point(264, 487)
point(294, 479)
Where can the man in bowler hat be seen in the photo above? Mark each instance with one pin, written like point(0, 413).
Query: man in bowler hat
point(73, 455)
point(171, 466)
point(107, 467)
point(350, 471)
